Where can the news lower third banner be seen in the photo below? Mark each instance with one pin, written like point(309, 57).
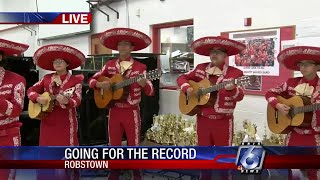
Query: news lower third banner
point(164, 157)
point(45, 17)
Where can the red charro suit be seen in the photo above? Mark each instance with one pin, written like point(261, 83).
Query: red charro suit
point(12, 92)
point(59, 127)
point(215, 124)
point(125, 115)
point(309, 136)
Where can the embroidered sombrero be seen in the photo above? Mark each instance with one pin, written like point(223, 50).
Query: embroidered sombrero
point(112, 37)
point(45, 56)
point(204, 45)
point(290, 57)
point(10, 48)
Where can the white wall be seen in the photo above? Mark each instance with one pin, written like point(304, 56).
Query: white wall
point(210, 18)
point(21, 35)
point(18, 6)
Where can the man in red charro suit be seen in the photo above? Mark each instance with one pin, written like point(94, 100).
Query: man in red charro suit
point(12, 92)
point(59, 127)
point(305, 59)
point(124, 116)
point(215, 124)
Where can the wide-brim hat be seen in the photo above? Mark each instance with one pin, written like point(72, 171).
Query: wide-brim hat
point(290, 57)
point(112, 37)
point(10, 48)
point(45, 56)
point(204, 45)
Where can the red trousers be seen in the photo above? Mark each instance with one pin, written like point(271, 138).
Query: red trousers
point(124, 120)
point(217, 131)
point(214, 131)
point(9, 137)
point(295, 139)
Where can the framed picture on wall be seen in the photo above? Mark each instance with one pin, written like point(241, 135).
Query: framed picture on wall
point(256, 85)
point(260, 56)
point(96, 48)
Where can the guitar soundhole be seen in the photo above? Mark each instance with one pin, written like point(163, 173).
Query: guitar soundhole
point(113, 87)
point(199, 94)
point(291, 113)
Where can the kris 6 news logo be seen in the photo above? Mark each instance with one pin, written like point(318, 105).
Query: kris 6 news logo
point(250, 158)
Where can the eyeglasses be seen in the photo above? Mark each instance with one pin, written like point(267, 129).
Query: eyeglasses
point(58, 61)
point(306, 64)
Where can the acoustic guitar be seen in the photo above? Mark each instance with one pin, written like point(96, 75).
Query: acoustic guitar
point(300, 114)
point(117, 91)
point(39, 111)
point(190, 105)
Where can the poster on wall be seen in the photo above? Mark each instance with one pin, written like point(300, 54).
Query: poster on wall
point(263, 42)
point(260, 56)
point(256, 85)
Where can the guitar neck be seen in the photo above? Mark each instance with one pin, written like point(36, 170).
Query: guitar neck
point(307, 108)
point(127, 82)
point(216, 87)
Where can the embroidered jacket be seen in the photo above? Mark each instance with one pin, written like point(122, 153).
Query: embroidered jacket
point(12, 92)
point(59, 127)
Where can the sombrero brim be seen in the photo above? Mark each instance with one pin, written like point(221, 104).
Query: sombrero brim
point(204, 45)
point(290, 57)
point(10, 48)
point(112, 37)
point(45, 56)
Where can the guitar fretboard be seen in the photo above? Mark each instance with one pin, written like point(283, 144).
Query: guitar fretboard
point(215, 87)
point(127, 82)
point(307, 108)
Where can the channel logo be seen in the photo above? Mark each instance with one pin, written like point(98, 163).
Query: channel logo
point(250, 157)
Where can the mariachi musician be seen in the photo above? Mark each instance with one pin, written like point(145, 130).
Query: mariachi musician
point(305, 59)
point(60, 126)
point(124, 116)
point(215, 123)
point(12, 93)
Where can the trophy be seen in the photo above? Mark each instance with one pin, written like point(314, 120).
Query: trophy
point(172, 129)
point(250, 132)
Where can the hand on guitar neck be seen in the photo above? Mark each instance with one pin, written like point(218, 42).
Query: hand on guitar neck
point(62, 99)
point(142, 82)
point(283, 109)
point(230, 86)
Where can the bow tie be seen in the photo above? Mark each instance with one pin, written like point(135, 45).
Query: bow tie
point(125, 65)
point(57, 80)
point(214, 71)
point(304, 90)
